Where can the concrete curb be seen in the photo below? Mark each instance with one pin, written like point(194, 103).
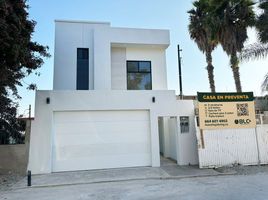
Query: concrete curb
point(126, 180)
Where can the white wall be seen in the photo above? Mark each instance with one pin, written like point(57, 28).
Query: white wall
point(119, 69)
point(120, 55)
point(169, 137)
point(157, 57)
point(42, 128)
point(99, 38)
point(161, 135)
point(165, 136)
point(181, 147)
point(136, 36)
point(68, 37)
point(102, 59)
point(173, 138)
point(187, 143)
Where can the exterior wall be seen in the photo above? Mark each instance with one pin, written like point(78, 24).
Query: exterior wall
point(181, 147)
point(173, 138)
point(40, 160)
point(134, 36)
point(157, 57)
point(187, 143)
point(102, 59)
point(100, 39)
point(166, 135)
point(161, 135)
point(120, 55)
point(14, 158)
point(119, 69)
point(69, 37)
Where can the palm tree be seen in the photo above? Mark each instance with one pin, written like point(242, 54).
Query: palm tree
point(260, 49)
point(232, 18)
point(200, 32)
point(254, 51)
point(262, 22)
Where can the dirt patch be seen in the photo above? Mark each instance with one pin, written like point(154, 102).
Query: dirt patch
point(244, 170)
point(7, 180)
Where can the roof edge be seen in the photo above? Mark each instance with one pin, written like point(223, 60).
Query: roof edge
point(81, 21)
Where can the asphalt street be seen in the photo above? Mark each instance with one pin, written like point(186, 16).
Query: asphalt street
point(229, 187)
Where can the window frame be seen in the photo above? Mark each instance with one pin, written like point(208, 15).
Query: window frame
point(140, 72)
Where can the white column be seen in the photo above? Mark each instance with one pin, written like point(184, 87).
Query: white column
point(154, 140)
point(102, 59)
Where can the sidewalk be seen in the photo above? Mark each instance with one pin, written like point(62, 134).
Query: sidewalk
point(168, 170)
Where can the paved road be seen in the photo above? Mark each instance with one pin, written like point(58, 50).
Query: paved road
point(235, 187)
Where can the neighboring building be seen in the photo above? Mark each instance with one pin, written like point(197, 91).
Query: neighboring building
point(110, 106)
point(261, 104)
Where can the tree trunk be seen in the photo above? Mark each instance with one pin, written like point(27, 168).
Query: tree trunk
point(210, 70)
point(236, 73)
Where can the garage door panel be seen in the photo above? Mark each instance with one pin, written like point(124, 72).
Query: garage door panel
point(76, 151)
point(101, 139)
point(97, 127)
point(94, 116)
point(101, 162)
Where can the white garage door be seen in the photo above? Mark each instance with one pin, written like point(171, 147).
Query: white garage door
point(101, 139)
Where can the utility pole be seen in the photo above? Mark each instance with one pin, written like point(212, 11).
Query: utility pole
point(30, 110)
point(180, 75)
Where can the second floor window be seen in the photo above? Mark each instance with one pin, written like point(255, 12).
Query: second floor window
point(82, 73)
point(139, 75)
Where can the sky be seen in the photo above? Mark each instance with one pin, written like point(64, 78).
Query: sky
point(155, 14)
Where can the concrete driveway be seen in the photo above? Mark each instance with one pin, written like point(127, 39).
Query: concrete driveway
point(169, 169)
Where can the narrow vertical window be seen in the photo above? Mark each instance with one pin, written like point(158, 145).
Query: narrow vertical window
point(82, 73)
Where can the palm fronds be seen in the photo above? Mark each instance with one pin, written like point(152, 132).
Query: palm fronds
point(254, 52)
point(264, 85)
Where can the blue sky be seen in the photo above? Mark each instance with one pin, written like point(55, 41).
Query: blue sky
point(159, 14)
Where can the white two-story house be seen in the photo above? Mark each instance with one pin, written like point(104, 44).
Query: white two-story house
point(108, 99)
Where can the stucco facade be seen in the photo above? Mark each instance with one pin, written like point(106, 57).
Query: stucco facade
point(109, 49)
point(107, 125)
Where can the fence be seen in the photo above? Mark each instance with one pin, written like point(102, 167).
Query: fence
point(224, 147)
point(14, 157)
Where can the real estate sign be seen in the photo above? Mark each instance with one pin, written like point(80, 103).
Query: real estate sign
point(226, 110)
